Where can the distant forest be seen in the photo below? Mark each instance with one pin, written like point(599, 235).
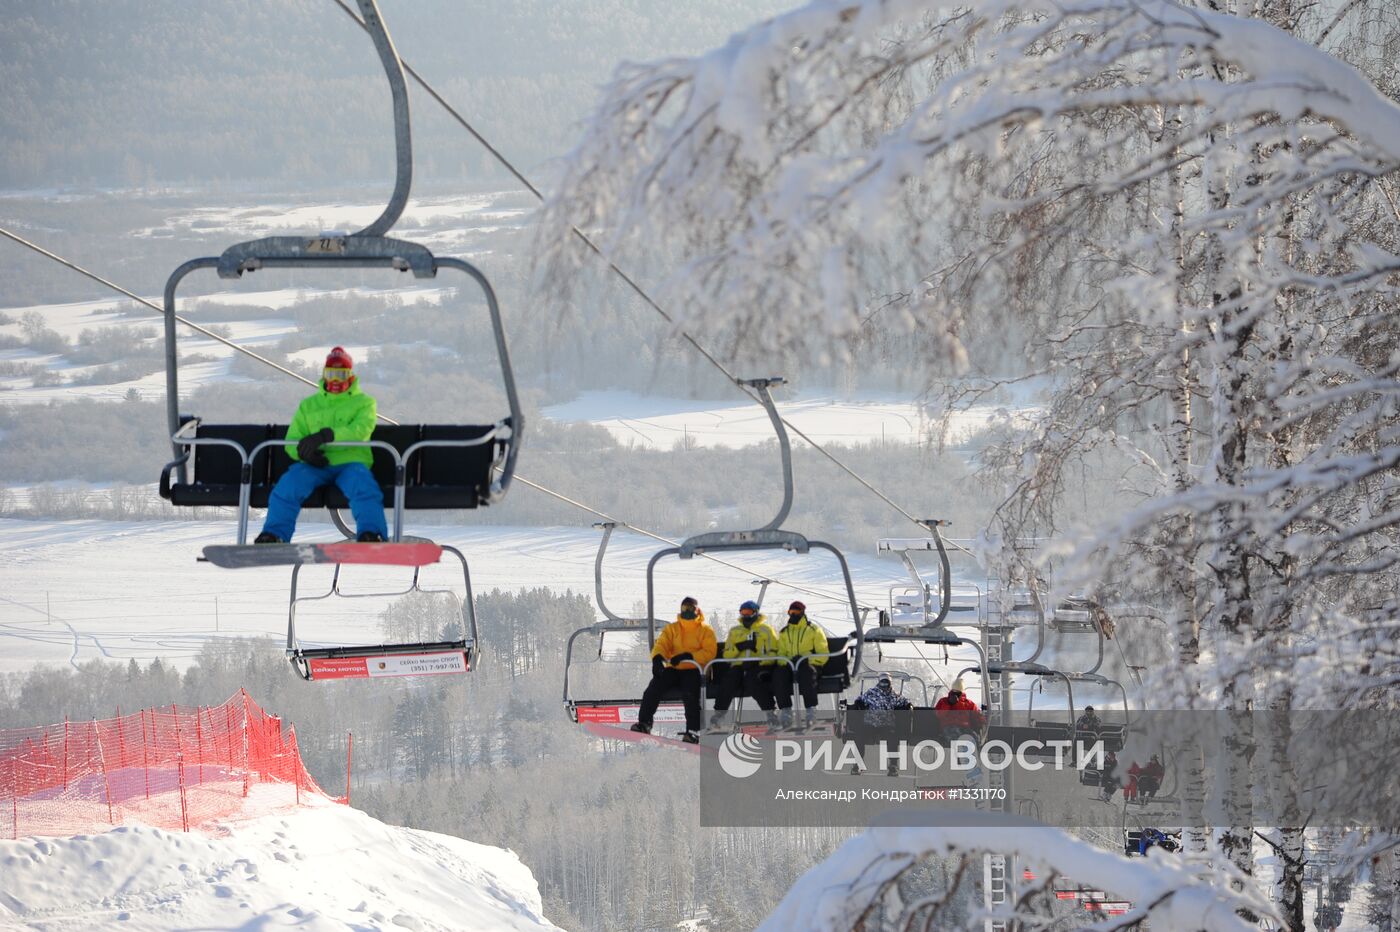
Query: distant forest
point(132, 93)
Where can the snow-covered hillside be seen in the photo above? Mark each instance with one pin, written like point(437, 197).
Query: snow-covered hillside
point(868, 417)
point(323, 867)
point(77, 590)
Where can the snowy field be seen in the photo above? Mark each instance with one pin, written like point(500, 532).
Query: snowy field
point(71, 320)
point(318, 868)
point(72, 591)
point(453, 225)
point(655, 422)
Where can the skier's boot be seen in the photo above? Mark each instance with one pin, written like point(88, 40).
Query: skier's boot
point(266, 537)
point(717, 721)
point(772, 719)
point(808, 718)
point(785, 719)
point(641, 728)
point(370, 537)
point(690, 737)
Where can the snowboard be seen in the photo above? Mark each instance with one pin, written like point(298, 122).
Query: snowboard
point(414, 553)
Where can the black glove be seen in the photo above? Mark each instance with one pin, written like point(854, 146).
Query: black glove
point(765, 676)
point(676, 660)
point(746, 645)
point(658, 663)
point(309, 447)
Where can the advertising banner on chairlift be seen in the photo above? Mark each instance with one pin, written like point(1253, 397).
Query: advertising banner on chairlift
point(627, 714)
point(433, 664)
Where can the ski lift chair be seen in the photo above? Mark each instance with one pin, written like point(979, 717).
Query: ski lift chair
point(843, 655)
point(454, 655)
point(915, 603)
point(418, 466)
point(887, 635)
point(605, 712)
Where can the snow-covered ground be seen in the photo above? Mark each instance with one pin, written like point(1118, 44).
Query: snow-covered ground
point(71, 591)
point(461, 213)
point(322, 867)
point(658, 422)
point(75, 590)
point(71, 320)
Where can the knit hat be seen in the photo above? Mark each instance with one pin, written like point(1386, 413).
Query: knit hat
point(751, 605)
point(957, 686)
point(689, 600)
point(798, 607)
point(338, 358)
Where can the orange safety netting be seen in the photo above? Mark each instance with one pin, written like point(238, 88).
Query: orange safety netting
point(172, 768)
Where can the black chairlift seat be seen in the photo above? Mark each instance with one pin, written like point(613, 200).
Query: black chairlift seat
point(834, 676)
point(434, 476)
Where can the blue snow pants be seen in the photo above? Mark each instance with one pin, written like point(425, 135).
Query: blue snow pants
point(354, 479)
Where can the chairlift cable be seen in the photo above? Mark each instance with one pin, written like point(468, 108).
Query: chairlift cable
point(665, 540)
point(28, 244)
point(627, 279)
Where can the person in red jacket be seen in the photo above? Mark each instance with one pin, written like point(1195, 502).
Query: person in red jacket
point(1150, 780)
point(1130, 790)
point(957, 713)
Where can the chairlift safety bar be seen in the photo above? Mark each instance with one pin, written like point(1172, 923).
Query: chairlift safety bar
point(247, 457)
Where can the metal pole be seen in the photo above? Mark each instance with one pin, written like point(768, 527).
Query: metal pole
point(145, 749)
point(403, 140)
point(184, 808)
point(349, 759)
point(760, 387)
point(102, 761)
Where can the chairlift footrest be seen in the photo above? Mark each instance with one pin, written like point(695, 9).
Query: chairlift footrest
point(390, 554)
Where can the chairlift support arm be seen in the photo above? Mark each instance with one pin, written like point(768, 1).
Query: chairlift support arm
point(945, 570)
point(609, 614)
point(763, 389)
point(403, 135)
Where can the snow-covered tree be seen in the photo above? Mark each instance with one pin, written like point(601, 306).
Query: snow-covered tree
point(1190, 215)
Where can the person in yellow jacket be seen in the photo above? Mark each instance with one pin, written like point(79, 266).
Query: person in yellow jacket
point(801, 643)
point(677, 662)
point(751, 637)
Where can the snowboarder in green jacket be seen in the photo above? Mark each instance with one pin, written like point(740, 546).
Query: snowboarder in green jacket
point(338, 412)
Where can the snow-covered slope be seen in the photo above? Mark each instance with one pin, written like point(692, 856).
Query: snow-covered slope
point(324, 867)
point(76, 590)
point(871, 417)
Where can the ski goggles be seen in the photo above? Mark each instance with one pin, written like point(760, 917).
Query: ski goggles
point(747, 612)
point(337, 375)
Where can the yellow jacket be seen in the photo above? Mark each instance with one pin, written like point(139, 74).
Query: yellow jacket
point(694, 637)
point(801, 639)
point(765, 642)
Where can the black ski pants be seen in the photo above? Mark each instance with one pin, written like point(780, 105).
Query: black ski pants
point(806, 683)
point(687, 680)
point(734, 678)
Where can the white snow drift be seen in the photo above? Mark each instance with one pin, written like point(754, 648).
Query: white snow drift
point(324, 867)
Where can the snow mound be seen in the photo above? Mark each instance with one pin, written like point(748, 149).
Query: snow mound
point(324, 867)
